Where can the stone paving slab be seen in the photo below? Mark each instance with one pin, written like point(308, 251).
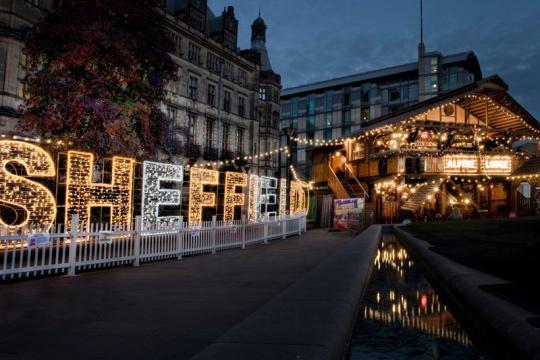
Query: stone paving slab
point(163, 310)
point(311, 319)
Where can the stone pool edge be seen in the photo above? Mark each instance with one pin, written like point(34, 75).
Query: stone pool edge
point(314, 317)
point(493, 317)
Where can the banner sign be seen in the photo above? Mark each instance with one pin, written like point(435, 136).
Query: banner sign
point(38, 240)
point(105, 237)
point(347, 213)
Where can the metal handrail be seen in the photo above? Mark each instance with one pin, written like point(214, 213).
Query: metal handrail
point(348, 167)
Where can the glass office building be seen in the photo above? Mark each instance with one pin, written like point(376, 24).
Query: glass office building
point(335, 108)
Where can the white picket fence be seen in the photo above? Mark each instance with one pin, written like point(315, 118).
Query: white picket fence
point(69, 252)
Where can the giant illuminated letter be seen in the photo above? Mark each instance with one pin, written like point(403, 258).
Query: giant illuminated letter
point(233, 180)
point(197, 197)
point(282, 197)
point(262, 196)
point(82, 194)
point(36, 200)
point(253, 199)
point(299, 201)
point(267, 196)
point(153, 196)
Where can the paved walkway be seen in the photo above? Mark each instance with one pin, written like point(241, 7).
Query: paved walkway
point(164, 310)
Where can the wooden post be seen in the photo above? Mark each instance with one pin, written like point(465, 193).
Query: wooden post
point(265, 234)
point(73, 245)
point(244, 225)
point(213, 234)
point(137, 240)
point(180, 239)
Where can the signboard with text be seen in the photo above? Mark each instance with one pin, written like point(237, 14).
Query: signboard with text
point(348, 213)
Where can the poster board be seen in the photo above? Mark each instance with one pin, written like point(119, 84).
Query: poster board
point(348, 213)
point(38, 240)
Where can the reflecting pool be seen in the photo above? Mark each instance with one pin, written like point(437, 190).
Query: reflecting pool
point(402, 316)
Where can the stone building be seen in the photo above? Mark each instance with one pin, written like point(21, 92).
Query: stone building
point(224, 105)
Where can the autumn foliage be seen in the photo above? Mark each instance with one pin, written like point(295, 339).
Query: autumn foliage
point(96, 77)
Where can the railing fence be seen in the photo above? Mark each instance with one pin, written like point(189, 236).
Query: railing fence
point(27, 253)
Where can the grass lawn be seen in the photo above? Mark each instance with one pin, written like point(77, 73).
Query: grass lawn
point(507, 248)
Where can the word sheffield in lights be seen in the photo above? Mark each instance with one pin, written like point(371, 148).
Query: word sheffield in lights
point(259, 194)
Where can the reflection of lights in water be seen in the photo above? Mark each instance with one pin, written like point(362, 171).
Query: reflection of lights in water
point(402, 313)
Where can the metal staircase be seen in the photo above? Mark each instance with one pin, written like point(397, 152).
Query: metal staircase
point(416, 200)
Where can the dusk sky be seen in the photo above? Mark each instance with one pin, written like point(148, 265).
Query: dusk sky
point(313, 40)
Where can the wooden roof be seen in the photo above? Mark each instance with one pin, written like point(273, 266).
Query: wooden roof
point(487, 98)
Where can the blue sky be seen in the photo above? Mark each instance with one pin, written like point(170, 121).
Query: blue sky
point(313, 40)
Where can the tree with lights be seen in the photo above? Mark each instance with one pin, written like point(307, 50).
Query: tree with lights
point(97, 74)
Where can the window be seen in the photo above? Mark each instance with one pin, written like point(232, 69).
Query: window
point(241, 106)
point(194, 53)
point(171, 113)
point(394, 94)
point(193, 88)
point(227, 70)
point(227, 101)
point(347, 99)
point(177, 43)
point(311, 122)
point(242, 77)
point(210, 124)
point(346, 117)
point(225, 140)
point(337, 99)
point(319, 102)
point(211, 95)
point(191, 118)
point(263, 93)
point(21, 86)
point(346, 131)
point(212, 62)
point(365, 114)
point(327, 134)
point(240, 140)
point(286, 107)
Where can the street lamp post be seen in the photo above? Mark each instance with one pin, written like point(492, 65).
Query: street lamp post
point(289, 132)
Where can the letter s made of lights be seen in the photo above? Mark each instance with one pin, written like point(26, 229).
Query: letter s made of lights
point(15, 190)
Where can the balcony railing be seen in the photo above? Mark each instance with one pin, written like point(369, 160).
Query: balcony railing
point(226, 155)
point(193, 151)
point(211, 153)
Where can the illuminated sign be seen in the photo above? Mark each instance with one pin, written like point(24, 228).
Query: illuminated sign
point(282, 197)
point(460, 164)
point(233, 181)
point(20, 161)
point(494, 165)
point(36, 200)
point(197, 197)
point(299, 202)
point(154, 196)
point(82, 194)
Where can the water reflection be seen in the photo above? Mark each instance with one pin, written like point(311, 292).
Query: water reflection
point(402, 317)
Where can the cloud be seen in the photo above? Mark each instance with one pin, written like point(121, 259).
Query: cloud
point(316, 40)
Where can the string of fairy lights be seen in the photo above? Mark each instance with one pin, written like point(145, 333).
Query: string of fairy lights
point(412, 122)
